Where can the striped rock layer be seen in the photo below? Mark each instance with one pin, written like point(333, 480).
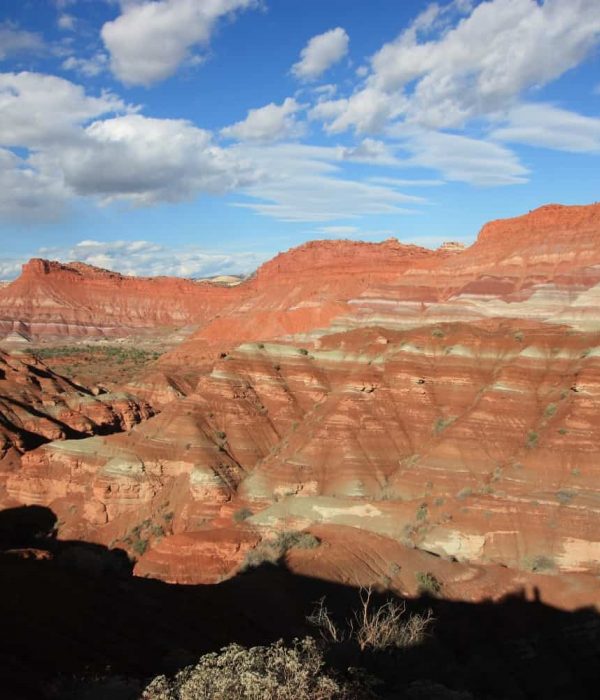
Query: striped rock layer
point(444, 406)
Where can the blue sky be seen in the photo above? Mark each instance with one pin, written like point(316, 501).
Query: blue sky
point(193, 137)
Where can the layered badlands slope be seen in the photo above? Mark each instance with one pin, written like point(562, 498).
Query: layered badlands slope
point(543, 266)
point(475, 443)
point(443, 406)
point(54, 299)
point(38, 406)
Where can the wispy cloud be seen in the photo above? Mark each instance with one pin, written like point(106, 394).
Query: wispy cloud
point(550, 127)
point(14, 41)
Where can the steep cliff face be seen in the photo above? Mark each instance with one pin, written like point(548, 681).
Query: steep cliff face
point(75, 300)
point(444, 404)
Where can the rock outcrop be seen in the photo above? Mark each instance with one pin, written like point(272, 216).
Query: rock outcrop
point(38, 406)
point(78, 300)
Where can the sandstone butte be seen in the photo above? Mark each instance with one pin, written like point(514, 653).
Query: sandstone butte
point(416, 410)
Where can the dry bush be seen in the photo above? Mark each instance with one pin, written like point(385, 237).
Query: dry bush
point(321, 619)
point(382, 627)
point(273, 672)
point(271, 551)
point(428, 583)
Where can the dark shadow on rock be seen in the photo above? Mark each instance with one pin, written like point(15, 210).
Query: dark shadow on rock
point(81, 614)
point(26, 526)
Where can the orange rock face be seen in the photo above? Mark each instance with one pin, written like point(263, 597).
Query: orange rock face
point(37, 405)
point(78, 300)
point(445, 404)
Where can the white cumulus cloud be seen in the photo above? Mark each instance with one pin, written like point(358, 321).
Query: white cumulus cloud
point(149, 40)
point(488, 59)
point(447, 69)
point(269, 123)
point(27, 192)
point(38, 109)
point(321, 52)
point(144, 161)
point(66, 22)
point(88, 67)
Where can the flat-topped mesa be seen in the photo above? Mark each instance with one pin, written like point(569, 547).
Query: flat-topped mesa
point(37, 267)
point(303, 289)
point(555, 244)
point(342, 257)
point(74, 299)
point(551, 223)
point(526, 267)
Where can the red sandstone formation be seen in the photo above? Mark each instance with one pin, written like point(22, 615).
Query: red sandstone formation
point(444, 405)
point(54, 299)
point(543, 266)
point(38, 406)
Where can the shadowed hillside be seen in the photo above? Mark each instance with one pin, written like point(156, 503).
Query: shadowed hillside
point(73, 610)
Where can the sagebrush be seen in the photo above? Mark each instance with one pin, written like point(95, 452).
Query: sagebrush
point(274, 672)
point(273, 550)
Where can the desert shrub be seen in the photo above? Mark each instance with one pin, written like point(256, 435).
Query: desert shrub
point(532, 438)
point(321, 619)
point(120, 354)
point(540, 563)
point(379, 627)
point(564, 497)
point(303, 351)
point(271, 551)
point(274, 672)
point(441, 424)
point(290, 539)
point(437, 333)
point(428, 583)
point(140, 546)
point(242, 514)
point(422, 512)
point(550, 410)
